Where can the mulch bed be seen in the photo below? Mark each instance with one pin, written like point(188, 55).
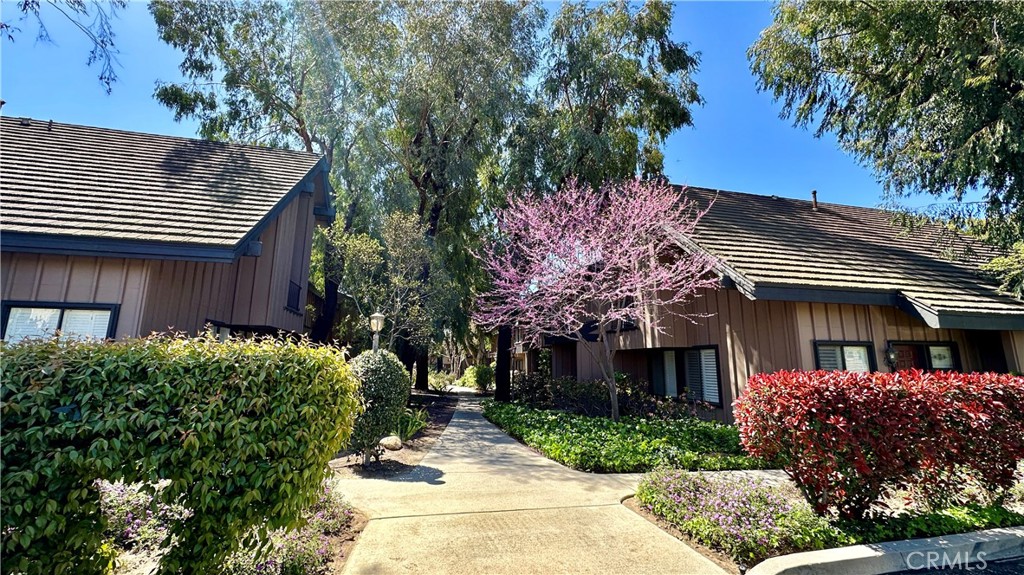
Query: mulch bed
point(440, 409)
point(717, 557)
point(341, 544)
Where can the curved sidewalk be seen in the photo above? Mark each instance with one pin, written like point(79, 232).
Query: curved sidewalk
point(480, 502)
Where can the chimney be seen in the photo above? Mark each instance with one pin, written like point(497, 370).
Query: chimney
point(814, 200)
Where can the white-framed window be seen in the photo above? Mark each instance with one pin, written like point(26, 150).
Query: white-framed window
point(844, 356)
point(26, 320)
point(690, 373)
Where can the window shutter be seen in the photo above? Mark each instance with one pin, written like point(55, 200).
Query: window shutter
point(709, 375)
point(830, 357)
point(694, 389)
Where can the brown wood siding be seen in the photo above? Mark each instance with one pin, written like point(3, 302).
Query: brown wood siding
point(79, 279)
point(766, 336)
point(877, 324)
point(185, 296)
point(261, 295)
point(1013, 347)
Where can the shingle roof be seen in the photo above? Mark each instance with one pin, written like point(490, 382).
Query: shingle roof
point(114, 186)
point(779, 248)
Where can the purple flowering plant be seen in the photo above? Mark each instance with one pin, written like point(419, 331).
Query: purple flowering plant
point(746, 518)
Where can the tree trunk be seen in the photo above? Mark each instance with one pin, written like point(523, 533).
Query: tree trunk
point(613, 394)
point(422, 369)
point(503, 365)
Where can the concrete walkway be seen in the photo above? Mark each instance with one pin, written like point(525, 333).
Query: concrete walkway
point(481, 503)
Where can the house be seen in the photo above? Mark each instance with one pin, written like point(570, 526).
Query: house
point(108, 233)
point(808, 285)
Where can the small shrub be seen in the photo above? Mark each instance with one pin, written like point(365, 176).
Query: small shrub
point(629, 445)
point(590, 397)
point(411, 422)
point(745, 518)
point(385, 388)
point(480, 377)
point(241, 431)
point(440, 381)
point(849, 438)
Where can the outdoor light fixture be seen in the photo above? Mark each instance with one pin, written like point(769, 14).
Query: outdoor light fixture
point(891, 357)
point(376, 324)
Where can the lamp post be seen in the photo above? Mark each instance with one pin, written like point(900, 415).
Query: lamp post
point(376, 324)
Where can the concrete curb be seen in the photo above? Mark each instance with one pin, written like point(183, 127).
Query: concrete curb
point(914, 554)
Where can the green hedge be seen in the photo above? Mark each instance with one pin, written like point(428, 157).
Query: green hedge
point(629, 445)
point(242, 430)
point(385, 392)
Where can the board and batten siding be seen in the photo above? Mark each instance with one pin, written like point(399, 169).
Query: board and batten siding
point(876, 324)
point(1013, 347)
point(79, 279)
point(759, 336)
point(177, 295)
point(252, 291)
point(751, 337)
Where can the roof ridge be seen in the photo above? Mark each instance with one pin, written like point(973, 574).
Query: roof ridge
point(777, 197)
point(19, 119)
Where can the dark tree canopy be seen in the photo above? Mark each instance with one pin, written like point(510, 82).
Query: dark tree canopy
point(93, 18)
point(931, 94)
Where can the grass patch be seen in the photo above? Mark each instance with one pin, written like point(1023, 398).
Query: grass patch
point(751, 520)
point(630, 445)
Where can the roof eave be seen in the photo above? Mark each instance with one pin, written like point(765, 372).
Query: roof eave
point(108, 247)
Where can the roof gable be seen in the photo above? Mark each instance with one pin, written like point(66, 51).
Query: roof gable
point(780, 248)
point(68, 188)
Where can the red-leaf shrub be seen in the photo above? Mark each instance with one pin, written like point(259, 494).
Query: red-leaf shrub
point(845, 438)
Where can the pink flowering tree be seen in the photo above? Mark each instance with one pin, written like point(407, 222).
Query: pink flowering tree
point(583, 264)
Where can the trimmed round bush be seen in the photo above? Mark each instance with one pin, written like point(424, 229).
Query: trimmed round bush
point(239, 434)
point(385, 387)
point(846, 438)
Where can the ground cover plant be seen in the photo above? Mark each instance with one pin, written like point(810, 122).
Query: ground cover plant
point(751, 520)
point(628, 445)
point(240, 432)
point(849, 439)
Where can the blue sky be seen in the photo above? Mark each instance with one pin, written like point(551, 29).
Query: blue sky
point(738, 142)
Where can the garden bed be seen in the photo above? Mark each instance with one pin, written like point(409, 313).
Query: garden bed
point(741, 521)
point(629, 445)
point(440, 409)
point(136, 529)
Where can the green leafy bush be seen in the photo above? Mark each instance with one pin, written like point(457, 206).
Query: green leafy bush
point(411, 422)
point(440, 381)
point(629, 445)
point(480, 377)
point(241, 432)
point(745, 518)
point(385, 387)
point(590, 397)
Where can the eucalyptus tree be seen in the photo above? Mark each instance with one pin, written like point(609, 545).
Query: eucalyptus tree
point(929, 94)
point(449, 78)
point(613, 84)
point(267, 72)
